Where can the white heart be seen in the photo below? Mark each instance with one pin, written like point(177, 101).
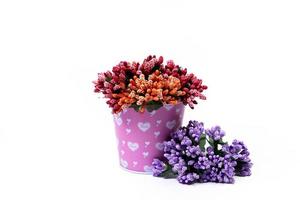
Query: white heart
point(147, 143)
point(171, 124)
point(152, 113)
point(145, 154)
point(128, 130)
point(177, 110)
point(123, 142)
point(147, 168)
point(118, 120)
point(158, 121)
point(128, 121)
point(122, 152)
point(156, 133)
point(144, 126)
point(132, 146)
point(124, 163)
point(159, 146)
point(134, 163)
point(168, 106)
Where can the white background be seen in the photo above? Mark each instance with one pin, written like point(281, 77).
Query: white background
point(56, 137)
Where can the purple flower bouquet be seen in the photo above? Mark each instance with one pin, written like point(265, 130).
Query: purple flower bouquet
point(195, 154)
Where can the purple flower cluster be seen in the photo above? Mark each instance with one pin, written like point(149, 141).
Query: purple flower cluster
point(158, 167)
point(194, 154)
point(221, 168)
point(239, 152)
point(215, 133)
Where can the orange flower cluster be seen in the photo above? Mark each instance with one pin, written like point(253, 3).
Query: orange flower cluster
point(157, 88)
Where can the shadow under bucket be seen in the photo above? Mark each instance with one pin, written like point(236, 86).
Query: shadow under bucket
point(140, 136)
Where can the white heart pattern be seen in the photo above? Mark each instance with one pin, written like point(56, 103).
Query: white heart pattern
point(128, 131)
point(128, 121)
point(144, 126)
point(124, 163)
point(122, 152)
point(134, 163)
point(147, 144)
point(132, 146)
point(156, 133)
point(177, 110)
point(145, 154)
point(158, 122)
point(159, 146)
point(118, 121)
point(168, 107)
point(147, 168)
point(152, 113)
point(171, 124)
point(123, 142)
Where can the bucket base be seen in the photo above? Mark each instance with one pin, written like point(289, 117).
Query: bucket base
point(135, 172)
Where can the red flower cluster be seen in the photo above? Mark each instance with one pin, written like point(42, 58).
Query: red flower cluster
point(148, 85)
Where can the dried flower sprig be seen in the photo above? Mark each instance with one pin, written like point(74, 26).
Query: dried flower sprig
point(149, 85)
point(194, 154)
point(190, 83)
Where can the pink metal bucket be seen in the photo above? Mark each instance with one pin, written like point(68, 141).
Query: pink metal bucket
point(140, 136)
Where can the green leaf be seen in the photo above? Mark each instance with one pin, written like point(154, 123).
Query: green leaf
point(135, 107)
point(157, 67)
point(108, 79)
point(211, 142)
point(202, 142)
point(153, 105)
point(222, 142)
point(168, 173)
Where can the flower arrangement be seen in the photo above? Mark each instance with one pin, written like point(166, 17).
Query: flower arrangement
point(191, 153)
point(148, 85)
point(194, 154)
